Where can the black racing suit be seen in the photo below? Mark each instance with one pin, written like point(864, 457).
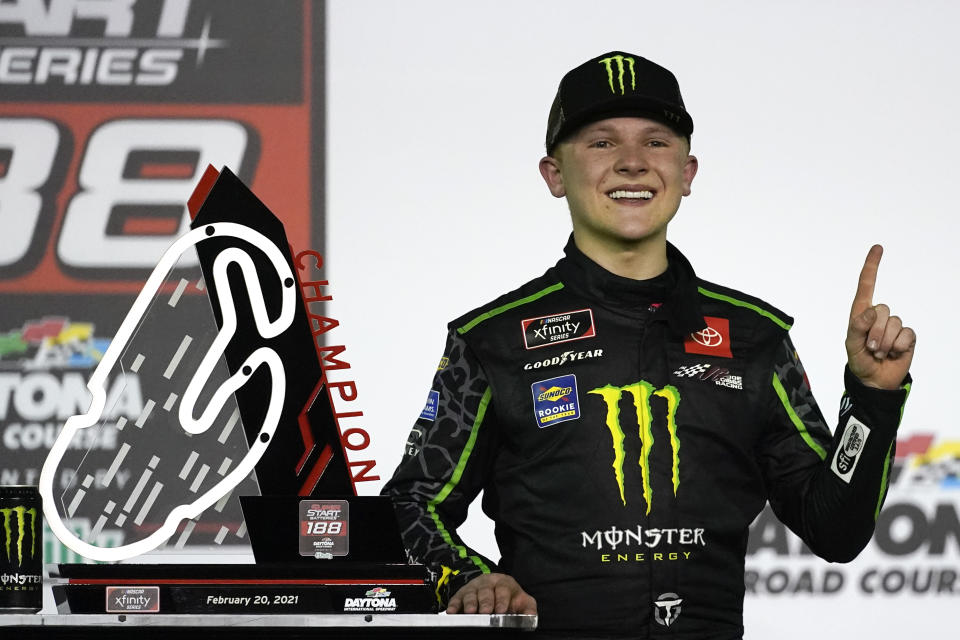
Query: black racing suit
point(625, 434)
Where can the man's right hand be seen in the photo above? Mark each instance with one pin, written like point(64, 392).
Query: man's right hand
point(492, 593)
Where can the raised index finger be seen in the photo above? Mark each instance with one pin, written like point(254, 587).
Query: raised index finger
point(863, 300)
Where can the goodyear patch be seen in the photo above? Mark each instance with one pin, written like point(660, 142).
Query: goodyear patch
point(555, 400)
point(430, 409)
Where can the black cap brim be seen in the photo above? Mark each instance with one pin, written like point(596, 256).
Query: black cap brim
point(629, 107)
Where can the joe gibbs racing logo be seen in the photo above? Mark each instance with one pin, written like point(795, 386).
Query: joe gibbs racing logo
point(641, 392)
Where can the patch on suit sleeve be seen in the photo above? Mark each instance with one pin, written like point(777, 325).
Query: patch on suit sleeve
point(847, 455)
point(430, 409)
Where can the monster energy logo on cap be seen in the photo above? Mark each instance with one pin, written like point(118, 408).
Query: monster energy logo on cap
point(641, 392)
point(616, 84)
point(608, 63)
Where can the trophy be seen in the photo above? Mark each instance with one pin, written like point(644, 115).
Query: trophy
point(216, 389)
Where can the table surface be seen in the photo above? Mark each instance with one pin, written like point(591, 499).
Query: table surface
point(371, 620)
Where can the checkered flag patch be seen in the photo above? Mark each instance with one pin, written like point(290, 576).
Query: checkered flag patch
point(690, 371)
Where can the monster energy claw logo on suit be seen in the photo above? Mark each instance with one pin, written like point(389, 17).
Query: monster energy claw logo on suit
point(641, 392)
point(21, 550)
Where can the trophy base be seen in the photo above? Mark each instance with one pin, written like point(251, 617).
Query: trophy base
point(332, 587)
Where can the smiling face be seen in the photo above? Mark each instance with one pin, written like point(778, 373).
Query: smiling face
point(623, 179)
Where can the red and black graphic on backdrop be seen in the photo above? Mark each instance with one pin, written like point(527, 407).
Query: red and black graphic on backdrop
point(111, 112)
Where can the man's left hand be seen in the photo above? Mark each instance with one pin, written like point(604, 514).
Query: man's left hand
point(879, 347)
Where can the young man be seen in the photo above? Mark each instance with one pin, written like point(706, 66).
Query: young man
point(627, 420)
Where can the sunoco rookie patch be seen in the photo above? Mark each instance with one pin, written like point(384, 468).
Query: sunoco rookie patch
point(324, 526)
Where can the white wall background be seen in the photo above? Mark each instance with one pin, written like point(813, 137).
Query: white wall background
point(821, 128)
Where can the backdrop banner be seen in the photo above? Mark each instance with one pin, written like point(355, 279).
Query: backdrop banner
point(111, 112)
point(914, 546)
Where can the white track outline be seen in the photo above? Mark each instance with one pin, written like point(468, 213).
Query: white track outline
point(261, 356)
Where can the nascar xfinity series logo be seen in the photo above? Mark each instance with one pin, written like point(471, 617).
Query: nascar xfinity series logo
point(556, 328)
point(19, 514)
point(641, 394)
point(135, 599)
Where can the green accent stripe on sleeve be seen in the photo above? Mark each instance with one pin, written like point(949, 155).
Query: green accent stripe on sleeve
point(886, 464)
point(797, 422)
point(906, 388)
point(883, 482)
point(455, 479)
point(747, 305)
point(510, 305)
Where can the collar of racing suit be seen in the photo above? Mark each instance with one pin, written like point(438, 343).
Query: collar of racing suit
point(675, 289)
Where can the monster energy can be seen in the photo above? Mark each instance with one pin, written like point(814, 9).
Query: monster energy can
point(21, 549)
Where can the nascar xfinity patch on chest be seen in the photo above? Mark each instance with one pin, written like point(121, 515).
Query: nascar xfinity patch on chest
point(555, 400)
point(557, 328)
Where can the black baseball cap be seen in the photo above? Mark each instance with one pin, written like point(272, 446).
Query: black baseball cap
point(616, 84)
